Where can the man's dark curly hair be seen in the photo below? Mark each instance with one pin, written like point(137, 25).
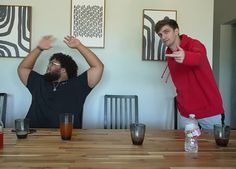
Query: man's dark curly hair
point(166, 21)
point(66, 62)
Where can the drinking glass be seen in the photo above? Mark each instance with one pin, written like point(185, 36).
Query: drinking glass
point(22, 128)
point(221, 134)
point(137, 131)
point(66, 125)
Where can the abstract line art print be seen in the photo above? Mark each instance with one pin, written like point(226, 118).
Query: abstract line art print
point(87, 22)
point(152, 47)
point(15, 31)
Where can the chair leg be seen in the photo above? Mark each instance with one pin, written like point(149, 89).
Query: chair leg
point(175, 114)
point(223, 119)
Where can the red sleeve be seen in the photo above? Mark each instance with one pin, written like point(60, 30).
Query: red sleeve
point(194, 54)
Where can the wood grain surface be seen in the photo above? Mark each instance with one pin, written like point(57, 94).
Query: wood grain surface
point(113, 149)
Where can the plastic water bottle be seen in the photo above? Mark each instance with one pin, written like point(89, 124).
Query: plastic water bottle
point(1, 134)
point(192, 131)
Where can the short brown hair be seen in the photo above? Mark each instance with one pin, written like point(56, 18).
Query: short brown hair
point(166, 21)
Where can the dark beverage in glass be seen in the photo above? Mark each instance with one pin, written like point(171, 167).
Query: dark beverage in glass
point(221, 134)
point(22, 134)
point(222, 141)
point(66, 130)
point(22, 128)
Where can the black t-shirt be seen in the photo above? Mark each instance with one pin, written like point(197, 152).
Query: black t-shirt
point(47, 104)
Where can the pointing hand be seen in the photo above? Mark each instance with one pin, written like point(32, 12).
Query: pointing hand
point(178, 55)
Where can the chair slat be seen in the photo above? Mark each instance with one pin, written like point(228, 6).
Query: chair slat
point(123, 110)
point(3, 107)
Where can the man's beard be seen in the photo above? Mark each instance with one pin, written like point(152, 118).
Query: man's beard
point(51, 76)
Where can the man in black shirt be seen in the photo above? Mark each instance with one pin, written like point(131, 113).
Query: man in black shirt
point(60, 89)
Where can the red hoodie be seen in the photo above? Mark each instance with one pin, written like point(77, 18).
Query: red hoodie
point(196, 88)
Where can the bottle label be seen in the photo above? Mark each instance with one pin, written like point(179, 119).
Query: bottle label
point(193, 133)
point(196, 132)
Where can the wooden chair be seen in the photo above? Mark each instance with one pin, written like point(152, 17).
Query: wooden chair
point(120, 111)
point(3, 106)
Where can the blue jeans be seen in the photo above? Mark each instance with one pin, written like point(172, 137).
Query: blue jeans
point(205, 123)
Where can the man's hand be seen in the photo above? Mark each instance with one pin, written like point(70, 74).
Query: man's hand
point(46, 42)
point(178, 55)
point(96, 66)
point(27, 64)
point(71, 41)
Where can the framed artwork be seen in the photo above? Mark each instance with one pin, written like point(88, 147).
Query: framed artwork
point(152, 47)
point(87, 22)
point(15, 31)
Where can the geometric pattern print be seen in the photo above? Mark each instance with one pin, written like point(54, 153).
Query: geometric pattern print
point(88, 21)
point(15, 30)
point(153, 48)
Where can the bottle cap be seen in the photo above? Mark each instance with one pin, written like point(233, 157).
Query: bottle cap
point(192, 115)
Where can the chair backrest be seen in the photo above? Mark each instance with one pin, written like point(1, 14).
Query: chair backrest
point(175, 114)
point(120, 111)
point(3, 106)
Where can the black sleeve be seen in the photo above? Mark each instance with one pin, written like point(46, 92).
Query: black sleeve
point(33, 78)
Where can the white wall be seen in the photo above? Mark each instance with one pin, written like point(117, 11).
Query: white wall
point(225, 82)
point(226, 72)
point(125, 72)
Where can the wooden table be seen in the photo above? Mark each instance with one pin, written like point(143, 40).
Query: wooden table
point(112, 149)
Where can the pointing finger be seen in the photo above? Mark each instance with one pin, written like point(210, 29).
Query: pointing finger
point(170, 55)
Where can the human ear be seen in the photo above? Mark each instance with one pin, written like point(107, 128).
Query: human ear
point(63, 70)
point(176, 31)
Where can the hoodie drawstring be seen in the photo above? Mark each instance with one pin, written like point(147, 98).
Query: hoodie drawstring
point(164, 72)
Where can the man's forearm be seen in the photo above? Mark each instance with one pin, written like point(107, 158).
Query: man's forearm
point(27, 65)
point(30, 59)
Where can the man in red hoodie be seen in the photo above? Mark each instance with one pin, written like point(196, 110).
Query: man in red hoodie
point(197, 91)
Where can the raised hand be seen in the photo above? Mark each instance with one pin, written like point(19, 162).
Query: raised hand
point(46, 42)
point(178, 55)
point(71, 41)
